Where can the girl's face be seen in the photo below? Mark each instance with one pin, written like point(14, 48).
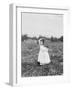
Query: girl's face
point(41, 42)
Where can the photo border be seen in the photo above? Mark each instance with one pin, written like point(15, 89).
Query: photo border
point(14, 78)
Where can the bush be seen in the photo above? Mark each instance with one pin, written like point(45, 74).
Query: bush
point(24, 37)
point(61, 39)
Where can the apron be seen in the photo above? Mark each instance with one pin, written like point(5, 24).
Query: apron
point(43, 56)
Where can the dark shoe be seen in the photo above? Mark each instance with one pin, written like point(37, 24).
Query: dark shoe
point(38, 63)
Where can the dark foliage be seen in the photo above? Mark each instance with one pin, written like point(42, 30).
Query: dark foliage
point(53, 39)
point(24, 37)
point(61, 38)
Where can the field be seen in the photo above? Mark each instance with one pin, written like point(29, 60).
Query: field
point(29, 57)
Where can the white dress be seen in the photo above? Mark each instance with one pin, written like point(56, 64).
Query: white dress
point(43, 56)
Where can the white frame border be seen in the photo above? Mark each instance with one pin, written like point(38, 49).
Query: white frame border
point(15, 46)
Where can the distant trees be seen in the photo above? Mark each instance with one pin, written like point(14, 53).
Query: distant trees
point(53, 39)
point(61, 38)
point(34, 38)
point(24, 37)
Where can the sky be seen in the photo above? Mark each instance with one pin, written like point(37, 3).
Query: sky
point(35, 24)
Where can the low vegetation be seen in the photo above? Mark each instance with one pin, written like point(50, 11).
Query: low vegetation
point(29, 57)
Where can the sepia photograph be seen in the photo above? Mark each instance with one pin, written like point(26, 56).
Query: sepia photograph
point(41, 44)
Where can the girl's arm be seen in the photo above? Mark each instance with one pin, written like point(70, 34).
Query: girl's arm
point(48, 48)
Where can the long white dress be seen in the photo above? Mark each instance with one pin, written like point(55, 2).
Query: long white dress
point(43, 56)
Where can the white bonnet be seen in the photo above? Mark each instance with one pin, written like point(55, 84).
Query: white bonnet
point(40, 40)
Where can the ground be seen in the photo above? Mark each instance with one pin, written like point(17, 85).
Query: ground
point(29, 57)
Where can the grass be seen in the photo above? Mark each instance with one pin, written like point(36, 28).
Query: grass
point(29, 66)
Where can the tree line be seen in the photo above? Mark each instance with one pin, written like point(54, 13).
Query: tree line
point(53, 39)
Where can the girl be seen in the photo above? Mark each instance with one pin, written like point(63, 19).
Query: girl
point(43, 57)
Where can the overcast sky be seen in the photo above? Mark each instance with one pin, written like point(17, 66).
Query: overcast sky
point(42, 24)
